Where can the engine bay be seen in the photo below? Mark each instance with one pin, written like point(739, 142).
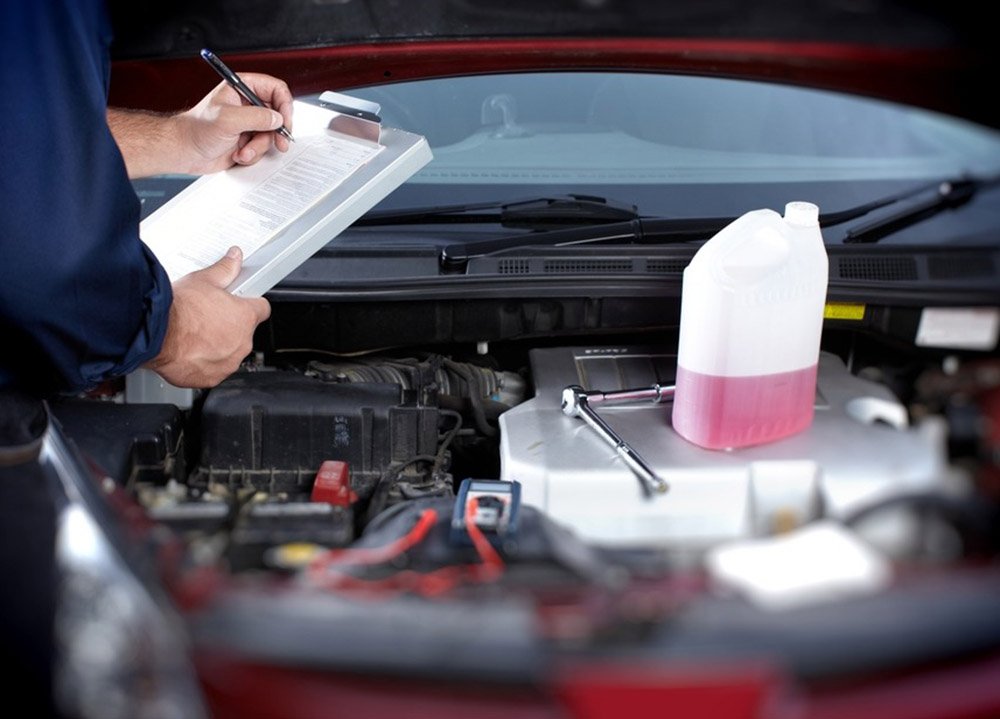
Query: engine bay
point(315, 450)
point(442, 482)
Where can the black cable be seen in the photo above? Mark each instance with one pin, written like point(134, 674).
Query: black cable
point(384, 483)
point(449, 436)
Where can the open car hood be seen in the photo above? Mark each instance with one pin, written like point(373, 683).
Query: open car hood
point(309, 518)
point(933, 55)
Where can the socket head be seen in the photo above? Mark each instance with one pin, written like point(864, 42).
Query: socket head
point(573, 398)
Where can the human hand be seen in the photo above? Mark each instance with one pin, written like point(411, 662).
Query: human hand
point(209, 331)
point(221, 131)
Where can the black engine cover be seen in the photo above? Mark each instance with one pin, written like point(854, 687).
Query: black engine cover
point(273, 430)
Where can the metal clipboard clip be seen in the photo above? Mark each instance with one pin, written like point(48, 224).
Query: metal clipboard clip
point(355, 116)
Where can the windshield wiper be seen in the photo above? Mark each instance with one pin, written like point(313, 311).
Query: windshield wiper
point(640, 230)
point(929, 201)
point(533, 213)
point(595, 221)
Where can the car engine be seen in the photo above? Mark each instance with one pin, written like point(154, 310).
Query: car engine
point(503, 506)
point(859, 449)
point(309, 453)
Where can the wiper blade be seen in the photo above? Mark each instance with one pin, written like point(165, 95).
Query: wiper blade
point(532, 213)
point(637, 231)
point(664, 230)
point(929, 201)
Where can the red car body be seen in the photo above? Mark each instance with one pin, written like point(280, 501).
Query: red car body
point(950, 76)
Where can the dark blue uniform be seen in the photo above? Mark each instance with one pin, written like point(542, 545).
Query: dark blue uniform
point(81, 298)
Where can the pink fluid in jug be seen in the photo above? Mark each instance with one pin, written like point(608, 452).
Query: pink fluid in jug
point(730, 412)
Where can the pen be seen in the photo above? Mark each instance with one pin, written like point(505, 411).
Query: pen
point(241, 87)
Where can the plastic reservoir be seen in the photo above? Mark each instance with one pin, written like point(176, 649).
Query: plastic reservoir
point(751, 321)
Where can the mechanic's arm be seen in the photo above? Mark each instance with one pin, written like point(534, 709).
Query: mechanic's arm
point(209, 331)
point(217, 133)
point(82, 298)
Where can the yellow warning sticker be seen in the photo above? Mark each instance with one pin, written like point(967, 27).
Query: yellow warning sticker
point(844, 311)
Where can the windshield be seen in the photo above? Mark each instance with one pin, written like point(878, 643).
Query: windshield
point(609, 129)
point(673, 146)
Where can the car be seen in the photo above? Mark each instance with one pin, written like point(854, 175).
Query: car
point(434, 488)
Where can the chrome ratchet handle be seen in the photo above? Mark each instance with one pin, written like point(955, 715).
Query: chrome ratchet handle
point(576, 402)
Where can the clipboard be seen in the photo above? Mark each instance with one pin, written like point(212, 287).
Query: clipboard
point(399, 155)
point(391, 156)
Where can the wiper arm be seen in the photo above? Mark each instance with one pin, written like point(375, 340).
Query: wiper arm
point(533, 213)
point(946, 195)
point(663, 230)
point(639, 230)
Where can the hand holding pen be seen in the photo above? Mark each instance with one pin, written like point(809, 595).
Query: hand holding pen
point(241, 87)
point(223, 129)
point(220, 131)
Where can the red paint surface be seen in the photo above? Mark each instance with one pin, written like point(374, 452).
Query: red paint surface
point(713, 690)
point(235, 687)
point(236, 690)
point(932, 78)
point(722, 690)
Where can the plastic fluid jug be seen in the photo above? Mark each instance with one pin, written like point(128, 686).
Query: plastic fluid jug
point(751, 319)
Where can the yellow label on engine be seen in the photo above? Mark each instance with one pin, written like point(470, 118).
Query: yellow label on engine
point(844, 311)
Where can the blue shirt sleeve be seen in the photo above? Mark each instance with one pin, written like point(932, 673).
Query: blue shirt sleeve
point(81, 297)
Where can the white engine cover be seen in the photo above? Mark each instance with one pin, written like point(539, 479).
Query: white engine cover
point(858, 449)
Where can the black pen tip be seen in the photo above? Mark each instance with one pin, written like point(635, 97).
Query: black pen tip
point(206, 53)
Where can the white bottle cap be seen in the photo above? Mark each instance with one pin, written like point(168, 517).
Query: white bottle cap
point(802, 213)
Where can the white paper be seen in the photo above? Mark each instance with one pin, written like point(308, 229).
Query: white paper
point(249, 206)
